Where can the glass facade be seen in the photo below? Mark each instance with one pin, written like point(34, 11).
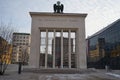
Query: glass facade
point(104, 47)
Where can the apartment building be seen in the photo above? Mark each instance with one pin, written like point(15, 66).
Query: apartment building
point(21, 47)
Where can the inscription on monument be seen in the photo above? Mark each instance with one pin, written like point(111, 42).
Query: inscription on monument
point(59, 20)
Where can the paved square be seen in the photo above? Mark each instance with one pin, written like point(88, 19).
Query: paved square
point(98, 75)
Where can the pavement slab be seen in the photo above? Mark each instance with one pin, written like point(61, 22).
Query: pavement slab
point(13, 75)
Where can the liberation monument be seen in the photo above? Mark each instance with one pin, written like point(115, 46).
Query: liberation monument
point(58, 39)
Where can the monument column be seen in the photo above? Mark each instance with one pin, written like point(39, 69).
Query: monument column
point(54, 49)
point(62, 48)
point(39, 47)
point(46, 49)
point(77, 49)
point(69, 48)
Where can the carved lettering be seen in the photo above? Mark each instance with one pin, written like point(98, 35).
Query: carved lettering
point(58, 20)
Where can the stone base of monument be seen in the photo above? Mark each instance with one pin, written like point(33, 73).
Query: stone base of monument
point(58, 71)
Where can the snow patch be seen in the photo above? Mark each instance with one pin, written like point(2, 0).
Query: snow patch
point(115, 75)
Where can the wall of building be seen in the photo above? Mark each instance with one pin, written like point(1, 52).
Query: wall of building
point(103, 48)
point(21, 47)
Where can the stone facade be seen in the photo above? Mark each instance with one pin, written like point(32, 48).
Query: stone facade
point(55, 22)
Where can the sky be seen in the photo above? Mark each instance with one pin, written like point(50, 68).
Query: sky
point(100, 12)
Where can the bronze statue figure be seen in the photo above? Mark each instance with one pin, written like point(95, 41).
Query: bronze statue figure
point(58, 8)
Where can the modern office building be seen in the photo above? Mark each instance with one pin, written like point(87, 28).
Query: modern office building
point(46, 27)
point(104, 47)
point(21, 47)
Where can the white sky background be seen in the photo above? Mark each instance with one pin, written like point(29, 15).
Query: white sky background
point(100, 12)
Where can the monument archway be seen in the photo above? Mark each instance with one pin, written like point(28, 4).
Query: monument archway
point(57, 48)
point(58, 40)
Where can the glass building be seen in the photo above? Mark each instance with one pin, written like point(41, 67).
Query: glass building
point(104, 47)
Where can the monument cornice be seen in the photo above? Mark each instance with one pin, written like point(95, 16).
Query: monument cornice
point(57, 14)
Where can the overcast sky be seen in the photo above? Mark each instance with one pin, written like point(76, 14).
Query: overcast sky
point(100, 12)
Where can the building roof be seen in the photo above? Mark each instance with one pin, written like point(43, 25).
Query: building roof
point(58, 14)
point(21, 33)
point(107, 27)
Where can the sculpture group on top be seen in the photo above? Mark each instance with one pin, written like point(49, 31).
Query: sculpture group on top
point(58, 8)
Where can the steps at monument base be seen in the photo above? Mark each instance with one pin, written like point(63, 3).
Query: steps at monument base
point(58, 71)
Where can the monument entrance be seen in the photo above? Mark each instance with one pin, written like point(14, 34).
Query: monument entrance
point(57, 48)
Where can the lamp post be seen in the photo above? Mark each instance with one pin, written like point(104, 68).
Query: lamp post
point(19, 63)
point(19, 67)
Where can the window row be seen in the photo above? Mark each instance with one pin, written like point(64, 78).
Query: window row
point(20, 37)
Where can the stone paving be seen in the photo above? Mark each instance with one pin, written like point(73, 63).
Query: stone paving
point(99, 75)
point(12, 74)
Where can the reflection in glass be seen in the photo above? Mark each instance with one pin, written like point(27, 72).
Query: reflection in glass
point(104, 47)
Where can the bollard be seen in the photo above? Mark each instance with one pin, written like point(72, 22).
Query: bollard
point(107, 68)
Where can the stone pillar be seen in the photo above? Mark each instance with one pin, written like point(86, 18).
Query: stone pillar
point(46, 49)
point(39, 48)
point(54, 49)
point(69, 48)
point(62, 48)
point(81, 49)
point(35, 48)
point(77, 49)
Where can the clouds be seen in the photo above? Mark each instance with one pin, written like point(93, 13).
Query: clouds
point(100, 12)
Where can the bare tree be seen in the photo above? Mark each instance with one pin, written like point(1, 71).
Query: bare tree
point(25, 55)
point(6, 32)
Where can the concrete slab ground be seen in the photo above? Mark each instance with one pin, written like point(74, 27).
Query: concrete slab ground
point(98, 75)
point(12, 74)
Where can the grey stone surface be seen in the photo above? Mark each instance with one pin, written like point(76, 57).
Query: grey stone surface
point(98, 75)
point(50, 21)
point(12, 67)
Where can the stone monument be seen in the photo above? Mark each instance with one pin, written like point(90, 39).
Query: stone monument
point(49, 52)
